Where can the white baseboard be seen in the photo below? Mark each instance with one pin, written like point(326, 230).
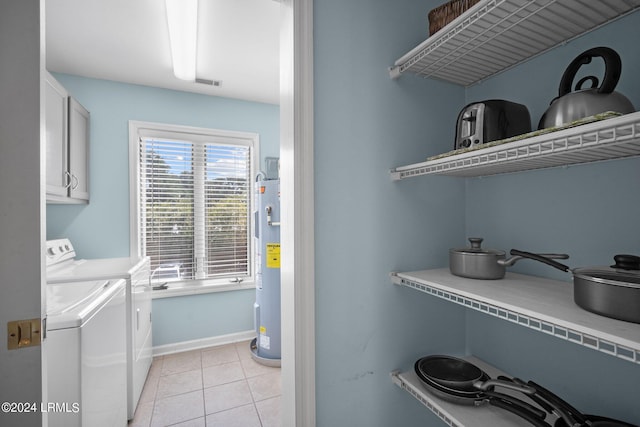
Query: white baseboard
point(178, 347)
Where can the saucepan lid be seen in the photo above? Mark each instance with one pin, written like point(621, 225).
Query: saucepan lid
point(608, 276)
point(625, 272)
point(477, 249)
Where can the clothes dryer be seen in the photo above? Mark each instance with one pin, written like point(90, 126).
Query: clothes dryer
point(62, 266)
point(86, 365)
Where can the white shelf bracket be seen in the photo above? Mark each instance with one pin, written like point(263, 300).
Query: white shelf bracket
point(396, 380)
point(395, 279)
point(394, 72)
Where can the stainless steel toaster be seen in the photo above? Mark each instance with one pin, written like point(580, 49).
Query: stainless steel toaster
point(490, 120)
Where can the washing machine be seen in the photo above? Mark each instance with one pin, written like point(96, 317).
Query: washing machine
point(63, 266)
point(86, 365)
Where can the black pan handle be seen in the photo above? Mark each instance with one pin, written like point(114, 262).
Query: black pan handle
point(613, 69)
point(486, 385)
point(518, 411)
point(565, 410)
point(543, 403)
point(515, 402)
point(540, 258)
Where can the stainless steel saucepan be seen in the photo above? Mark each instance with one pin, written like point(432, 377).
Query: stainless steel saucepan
point(476, 262)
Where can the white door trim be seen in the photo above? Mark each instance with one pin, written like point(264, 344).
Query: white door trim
point(297, 214)
point(22, 188)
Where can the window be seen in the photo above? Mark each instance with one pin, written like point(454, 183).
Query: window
point(192, 196)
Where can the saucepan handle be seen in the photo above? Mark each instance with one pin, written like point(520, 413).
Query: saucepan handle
point(540, 258)
point(513, 259)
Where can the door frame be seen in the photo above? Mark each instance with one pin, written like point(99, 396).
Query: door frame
point(22, 189)
point(297, 214)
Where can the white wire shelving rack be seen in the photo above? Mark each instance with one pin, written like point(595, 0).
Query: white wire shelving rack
point(540, 304)
point(609, 139)
point(495, 35)
point(489, 38)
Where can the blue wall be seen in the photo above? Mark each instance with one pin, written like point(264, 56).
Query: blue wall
point(367, 226)
point(195, 317)
point(101, 229)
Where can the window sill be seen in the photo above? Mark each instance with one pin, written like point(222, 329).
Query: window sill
point(178, 289)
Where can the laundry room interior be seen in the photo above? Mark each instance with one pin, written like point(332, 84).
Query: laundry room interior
point(205, 321)
point(335, 199)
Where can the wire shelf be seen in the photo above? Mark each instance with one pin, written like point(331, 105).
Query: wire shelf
point(413, 389)
point(627, 348)
point(495, 35)
point(614, 138)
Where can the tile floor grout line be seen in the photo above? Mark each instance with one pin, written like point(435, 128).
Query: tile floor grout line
point(163, 371)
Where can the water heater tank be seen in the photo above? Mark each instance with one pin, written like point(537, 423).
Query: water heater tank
point(266, 347)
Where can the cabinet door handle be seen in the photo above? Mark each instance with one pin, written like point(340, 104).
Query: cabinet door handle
point(74, 180)
point(68, 179)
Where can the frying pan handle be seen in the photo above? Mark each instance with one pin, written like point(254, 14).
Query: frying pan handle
point(543, 403)
point(567, 412)
point(523, 388)
point(613, 69)
point(527, 415)
point(517, 406)
point(540, 258)
point(517, 403)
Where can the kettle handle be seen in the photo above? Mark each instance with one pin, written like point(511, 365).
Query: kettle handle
point(594, 82)
point(613, 69)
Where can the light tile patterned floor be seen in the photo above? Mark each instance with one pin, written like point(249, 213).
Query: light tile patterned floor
point(213, 387)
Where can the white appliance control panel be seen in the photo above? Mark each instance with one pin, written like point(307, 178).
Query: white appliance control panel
point(59, 250)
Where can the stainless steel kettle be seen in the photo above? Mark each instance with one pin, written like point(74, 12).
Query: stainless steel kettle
point(570, 106)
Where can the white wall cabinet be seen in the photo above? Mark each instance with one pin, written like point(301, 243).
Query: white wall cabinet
point(56, 138)
point(78, 151)
point(67, 142)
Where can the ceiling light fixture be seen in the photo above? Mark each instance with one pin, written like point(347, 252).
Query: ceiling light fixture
point(182, 19)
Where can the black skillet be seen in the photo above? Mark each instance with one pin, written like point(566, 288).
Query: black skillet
point(458, 387)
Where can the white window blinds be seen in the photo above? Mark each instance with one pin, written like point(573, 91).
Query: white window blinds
point(194, 208)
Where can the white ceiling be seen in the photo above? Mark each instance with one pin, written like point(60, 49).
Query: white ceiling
point(127, 41)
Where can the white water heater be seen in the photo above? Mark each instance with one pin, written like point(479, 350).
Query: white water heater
point(266, 347)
